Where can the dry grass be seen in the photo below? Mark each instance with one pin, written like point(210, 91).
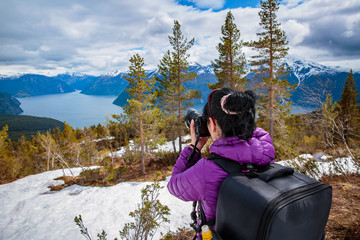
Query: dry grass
point(133, 173)
point(344, 219)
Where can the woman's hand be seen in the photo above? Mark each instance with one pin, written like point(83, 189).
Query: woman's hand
point(202, 140)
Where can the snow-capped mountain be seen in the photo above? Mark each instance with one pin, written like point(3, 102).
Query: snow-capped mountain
point(305, 69)
point(199, 69)
point(303, 73)
point(116, 73)
point(14, 76)
point(313, 77)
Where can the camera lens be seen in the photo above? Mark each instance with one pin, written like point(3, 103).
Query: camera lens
point(201, 129)
point(191, 114)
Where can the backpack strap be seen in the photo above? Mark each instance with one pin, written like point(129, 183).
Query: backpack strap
point(228, 166)
point(201, 216)
point(265, 172)
point(225, 164)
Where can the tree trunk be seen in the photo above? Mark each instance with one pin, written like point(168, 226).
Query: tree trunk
point(142, 145)
point(271, 106)
point(271, 88)
point(232, 84)
point(179, 106)
point(173, 138)
point(173, 125)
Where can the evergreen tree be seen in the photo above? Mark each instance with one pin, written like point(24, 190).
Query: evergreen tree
point(120, 129)
point(6, 163)
point(230, 67)
point(88, 146)
point(349, 112)
point(26, 154)
point(180, 66)
point(139, 107)
point(167, 95)
point(269, 66)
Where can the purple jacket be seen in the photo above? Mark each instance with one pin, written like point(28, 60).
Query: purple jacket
point(202, 181)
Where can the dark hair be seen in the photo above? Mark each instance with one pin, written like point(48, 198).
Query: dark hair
point(237, 115)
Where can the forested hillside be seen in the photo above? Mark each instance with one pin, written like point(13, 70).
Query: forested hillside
point(9, 104)
point(27, 126)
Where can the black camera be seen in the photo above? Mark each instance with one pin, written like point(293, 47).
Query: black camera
point(201, 129)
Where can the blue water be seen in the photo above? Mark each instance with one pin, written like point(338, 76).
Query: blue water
point(81, 110)
point(76, 109)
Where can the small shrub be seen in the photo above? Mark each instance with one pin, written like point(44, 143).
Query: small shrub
point(165, 158)
point(307, 166)
point(180, 234)
point(92, 175)
point(115, 174)
point(104, 175)
point(311, 143)
point(84, 230)
point(148, 217)
point(285, 150)
point(131, 157)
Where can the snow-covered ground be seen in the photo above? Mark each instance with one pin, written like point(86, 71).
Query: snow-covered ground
point(168, 146)
point(320, 165)
point(28, 210)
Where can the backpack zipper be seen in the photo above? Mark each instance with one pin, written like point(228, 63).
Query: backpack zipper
point(283, 200)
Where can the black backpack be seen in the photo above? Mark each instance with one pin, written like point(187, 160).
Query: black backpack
point(271, 202)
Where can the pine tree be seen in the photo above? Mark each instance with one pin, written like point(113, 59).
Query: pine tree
point(167, 95)
point(180, 66)
point(138, 108)
point(230, 67)
point(349, 112)
point(269, 66)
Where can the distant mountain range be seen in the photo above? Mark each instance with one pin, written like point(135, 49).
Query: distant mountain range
point(304, 74)
point(33, 85)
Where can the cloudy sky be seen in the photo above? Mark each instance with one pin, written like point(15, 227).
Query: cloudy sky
point(100, 36)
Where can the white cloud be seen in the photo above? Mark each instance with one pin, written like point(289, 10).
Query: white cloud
point(295, 31)
point(214, 4)
point(100, 36)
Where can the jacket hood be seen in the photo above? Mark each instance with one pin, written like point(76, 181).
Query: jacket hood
point(256, 150)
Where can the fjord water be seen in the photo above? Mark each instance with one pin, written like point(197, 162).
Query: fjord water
point(76, 109)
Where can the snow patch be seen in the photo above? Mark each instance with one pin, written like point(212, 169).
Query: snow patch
point(28, 213)
point(164, 147)
point(323, 167)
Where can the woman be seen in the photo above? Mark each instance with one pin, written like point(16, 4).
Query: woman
point(230, 116)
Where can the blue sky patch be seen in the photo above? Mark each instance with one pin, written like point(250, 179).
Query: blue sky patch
point(228, 4)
